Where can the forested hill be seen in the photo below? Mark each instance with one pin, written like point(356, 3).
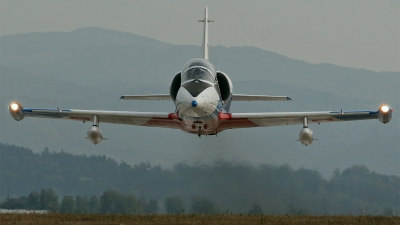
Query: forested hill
point(231, 187)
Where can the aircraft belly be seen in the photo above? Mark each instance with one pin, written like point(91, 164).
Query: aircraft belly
point(207, 124)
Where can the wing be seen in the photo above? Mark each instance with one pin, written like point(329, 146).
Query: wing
point(238, 97)
point(161, 97)
point(235, 97)
point(153, 119)
point(245, 120)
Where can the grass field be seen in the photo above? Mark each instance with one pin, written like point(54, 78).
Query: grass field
point(191, 219)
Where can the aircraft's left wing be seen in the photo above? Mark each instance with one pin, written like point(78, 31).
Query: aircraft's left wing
point(245, 120)
point(154, 119)
point(160, 97)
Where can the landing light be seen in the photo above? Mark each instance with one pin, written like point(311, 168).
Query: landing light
point(14, 106)
point(385, 109)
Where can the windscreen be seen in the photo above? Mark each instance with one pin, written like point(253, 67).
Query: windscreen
point(198, 69)
point(197, 73)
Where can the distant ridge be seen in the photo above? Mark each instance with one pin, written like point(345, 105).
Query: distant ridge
point(125, 37)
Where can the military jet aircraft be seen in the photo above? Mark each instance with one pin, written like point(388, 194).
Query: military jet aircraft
point(202, 96)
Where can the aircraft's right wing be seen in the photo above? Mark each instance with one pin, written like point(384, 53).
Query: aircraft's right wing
point(152, 119)
point(240, 97)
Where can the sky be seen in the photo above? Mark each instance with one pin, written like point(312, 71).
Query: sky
point(358, 34)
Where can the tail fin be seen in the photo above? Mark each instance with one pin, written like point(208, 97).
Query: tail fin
point(205, 37)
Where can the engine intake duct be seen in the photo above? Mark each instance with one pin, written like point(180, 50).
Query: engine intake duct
point(175, 85)
point(225, 86)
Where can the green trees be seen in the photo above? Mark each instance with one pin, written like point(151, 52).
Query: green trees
point(110, 202)
point(33, 201)
point(174, 205)
point(234, 186)
point(82, 204)
point(256, 210)
point(152, 207)
point(94, 206)
point(68, 205)
point(14, 203)
point(201, 205)
point(115, 202)
point(78, 204)
point(45, 200)
point(48, 200)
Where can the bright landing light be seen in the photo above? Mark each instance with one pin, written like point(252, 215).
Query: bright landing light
point(385, 108)
point(14, 106)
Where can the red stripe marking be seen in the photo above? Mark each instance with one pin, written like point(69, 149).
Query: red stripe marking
point(172, 116)
point(224, 116)
point(320, 120)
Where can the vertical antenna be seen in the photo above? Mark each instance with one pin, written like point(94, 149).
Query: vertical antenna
point(205, 35)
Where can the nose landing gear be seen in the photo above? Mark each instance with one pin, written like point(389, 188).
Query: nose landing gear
point(200, 127)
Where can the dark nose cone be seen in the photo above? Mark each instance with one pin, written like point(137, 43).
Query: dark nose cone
point(194, 103)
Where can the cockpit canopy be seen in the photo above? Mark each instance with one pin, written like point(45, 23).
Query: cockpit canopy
point(198, 69)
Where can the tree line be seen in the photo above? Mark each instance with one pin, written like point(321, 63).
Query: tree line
point(110, 202)
point(219, 187)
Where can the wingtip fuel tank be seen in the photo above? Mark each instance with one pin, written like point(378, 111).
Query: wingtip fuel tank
point(16, 110)
point(385, 113)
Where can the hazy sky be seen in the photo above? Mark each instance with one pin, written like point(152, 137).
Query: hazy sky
point(358, 34)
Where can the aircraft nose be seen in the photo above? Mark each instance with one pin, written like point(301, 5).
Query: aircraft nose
point(194, 103)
